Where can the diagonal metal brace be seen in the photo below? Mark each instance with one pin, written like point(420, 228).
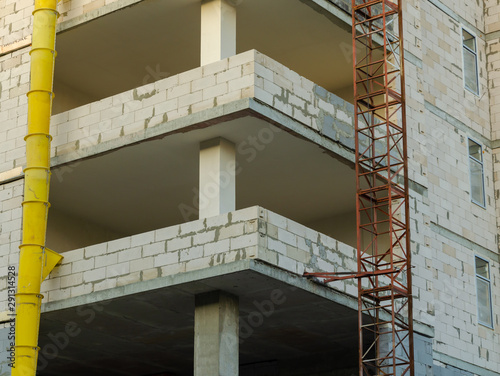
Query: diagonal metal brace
point(331, 277)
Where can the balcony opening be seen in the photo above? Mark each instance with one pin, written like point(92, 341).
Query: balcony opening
point(149, 185)
point(149, 41)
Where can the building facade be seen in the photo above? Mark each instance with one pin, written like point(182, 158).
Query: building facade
point(203, 160)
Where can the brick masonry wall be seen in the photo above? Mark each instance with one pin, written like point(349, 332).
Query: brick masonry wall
point(447, 229)
point(153, 104)
point(469, 12)
point(442, 63)
point(247, 75)
point(16, 17)
point(491, 16)
point(493, 56)
point(252, 233)
point(14, 84)
point(446, 284)
point(15, 23)
point(11, 196)
point(492, 19)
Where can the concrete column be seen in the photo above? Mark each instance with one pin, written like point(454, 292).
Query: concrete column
point(216, 342)
point(217, 177)
point(218, 30)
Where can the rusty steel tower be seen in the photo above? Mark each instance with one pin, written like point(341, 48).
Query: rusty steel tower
point(382, 205)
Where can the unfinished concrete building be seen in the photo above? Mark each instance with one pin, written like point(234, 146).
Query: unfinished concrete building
point(203, 159)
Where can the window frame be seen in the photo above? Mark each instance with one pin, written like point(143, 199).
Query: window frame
point(488, 280)
point(462, 29)
point(481, 162)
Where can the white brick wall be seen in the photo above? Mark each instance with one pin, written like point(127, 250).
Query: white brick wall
point(252, 233)
point(444, 275)
point(444, 284)
point(247, 75)
point(16, 17)
point(11, 196)
point(14, 78)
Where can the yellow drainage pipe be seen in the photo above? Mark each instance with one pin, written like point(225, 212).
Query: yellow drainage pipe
point(35, 260)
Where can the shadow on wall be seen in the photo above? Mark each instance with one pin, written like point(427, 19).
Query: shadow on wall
point(65, 232)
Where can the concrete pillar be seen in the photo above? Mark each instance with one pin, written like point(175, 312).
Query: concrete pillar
point(216, 342)
point(218, 30)
point(217, 177)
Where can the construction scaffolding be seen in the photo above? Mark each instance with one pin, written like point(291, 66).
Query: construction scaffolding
point(383, 239)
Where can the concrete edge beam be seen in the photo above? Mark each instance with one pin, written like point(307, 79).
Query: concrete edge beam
point(257, 266)
point(212, 116)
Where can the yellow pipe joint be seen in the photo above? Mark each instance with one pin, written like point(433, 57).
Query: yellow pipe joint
point(42, 61)
point(28, 305)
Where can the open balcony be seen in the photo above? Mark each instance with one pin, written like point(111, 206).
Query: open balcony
point(135, 297)
point(293, 142)
point(119, 49)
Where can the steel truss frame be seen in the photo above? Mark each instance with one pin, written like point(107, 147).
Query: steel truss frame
point(383, 239)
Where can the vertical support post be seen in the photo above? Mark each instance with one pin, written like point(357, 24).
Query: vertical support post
point(218, 30)
point(216, 342)
point(217, 177)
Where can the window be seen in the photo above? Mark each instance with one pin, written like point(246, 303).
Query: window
point(471, 80)
point(483, 288)
point(476, 173)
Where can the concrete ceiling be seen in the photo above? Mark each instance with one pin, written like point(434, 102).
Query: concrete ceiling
point(152, 333)
point(157, 38)
point(141, 187)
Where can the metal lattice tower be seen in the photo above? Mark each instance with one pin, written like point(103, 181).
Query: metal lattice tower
point(383, 239)
point(382, 205)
